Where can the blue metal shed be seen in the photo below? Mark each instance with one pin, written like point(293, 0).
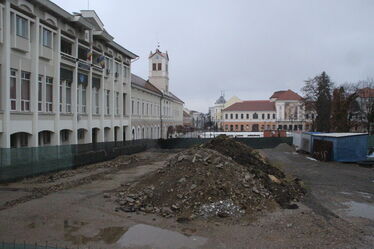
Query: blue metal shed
point(340, 147)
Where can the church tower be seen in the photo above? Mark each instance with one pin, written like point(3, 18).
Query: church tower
point(159, 70)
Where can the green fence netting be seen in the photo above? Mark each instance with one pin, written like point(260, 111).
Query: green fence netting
point(17, 163)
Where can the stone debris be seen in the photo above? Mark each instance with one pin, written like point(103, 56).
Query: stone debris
point(206, 181)
point(221, 209)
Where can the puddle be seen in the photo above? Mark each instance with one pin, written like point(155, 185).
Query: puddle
point(359, 209)
point(142, 235)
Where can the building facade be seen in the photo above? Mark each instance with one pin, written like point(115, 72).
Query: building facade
point(64, 80)
point(215, 112)
point(284, 111)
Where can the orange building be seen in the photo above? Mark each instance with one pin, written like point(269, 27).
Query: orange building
point(256, 115)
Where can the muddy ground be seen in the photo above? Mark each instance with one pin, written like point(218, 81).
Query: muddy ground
point(78, 208)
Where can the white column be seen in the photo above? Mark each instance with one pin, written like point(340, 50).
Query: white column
point(74, 89)
point(5, 78)
point(56, 88)
point(88, 137)
point(112, 103)
point(35, 44)
point(128, 106)
point(120, 107)
point(100, 135)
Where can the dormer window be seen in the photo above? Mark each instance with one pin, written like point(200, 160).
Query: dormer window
point(159, 67)
point(154, 66)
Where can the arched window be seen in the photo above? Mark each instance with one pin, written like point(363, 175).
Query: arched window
point(255, 116)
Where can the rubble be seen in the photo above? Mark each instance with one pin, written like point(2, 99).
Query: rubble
point(202, 182)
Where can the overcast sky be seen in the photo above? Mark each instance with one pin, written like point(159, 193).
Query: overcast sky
point(244, 48)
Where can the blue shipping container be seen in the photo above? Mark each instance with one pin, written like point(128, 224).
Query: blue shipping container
point(347, 147)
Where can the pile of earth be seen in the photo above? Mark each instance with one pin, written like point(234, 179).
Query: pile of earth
point(202, 182)
point(284, 190)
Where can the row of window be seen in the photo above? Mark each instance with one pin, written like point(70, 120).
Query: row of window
point(254, 116)
point(144, 109)
point(22, 30)
point(46, 39)
point(158, 67)
point(257, 127)
point(20, 95)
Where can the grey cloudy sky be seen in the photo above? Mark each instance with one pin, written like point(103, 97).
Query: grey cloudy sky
point(244, 48)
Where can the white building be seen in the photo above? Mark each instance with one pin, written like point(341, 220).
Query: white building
point(156, 112)
point(64, 80)
point(215, 112)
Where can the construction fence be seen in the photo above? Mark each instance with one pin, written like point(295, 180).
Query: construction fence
point(18, 163)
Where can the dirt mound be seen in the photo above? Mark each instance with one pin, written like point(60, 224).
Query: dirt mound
point(243, 154)
point(283, 190)
point(284, 148)
point(221, 178)
point(197, 182)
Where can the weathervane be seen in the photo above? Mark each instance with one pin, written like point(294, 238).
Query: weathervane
point(158, 45)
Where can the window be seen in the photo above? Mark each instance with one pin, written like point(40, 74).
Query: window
point(81, 134)
point(167, 68)
point(47, 38)
point(231, 116)
point(126, 72)
point(118, 70)
point(24, 139)
point(306, 116)
point(13, 89)
point(154, 67)
point(255, 116)
point(25, 91)
point(83, 53)
point(159, 67)
point(268, 115)
point(226, 116)
point(117, 103)
point(142, 108)
point(61, 87)
point(65, 135)
point(40, 93)
point(84, 99)
point(107, 102)
point(95, 99)
point(273, 115)
point(22, 27)
point(66, 47)
point(48, 94)
point(138, 108)
point(132, 107)
point(242, 116)
point(247, 116)
point(68, 97)
point(263, 116)
point(236, 116)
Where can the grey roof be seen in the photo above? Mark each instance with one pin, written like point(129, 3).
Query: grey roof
point(221, 100)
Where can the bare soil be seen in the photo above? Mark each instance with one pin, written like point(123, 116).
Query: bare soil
point(84, 213)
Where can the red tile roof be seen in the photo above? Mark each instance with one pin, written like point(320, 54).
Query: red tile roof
point(286, 95)
point(252, 105)
point(366, 92)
